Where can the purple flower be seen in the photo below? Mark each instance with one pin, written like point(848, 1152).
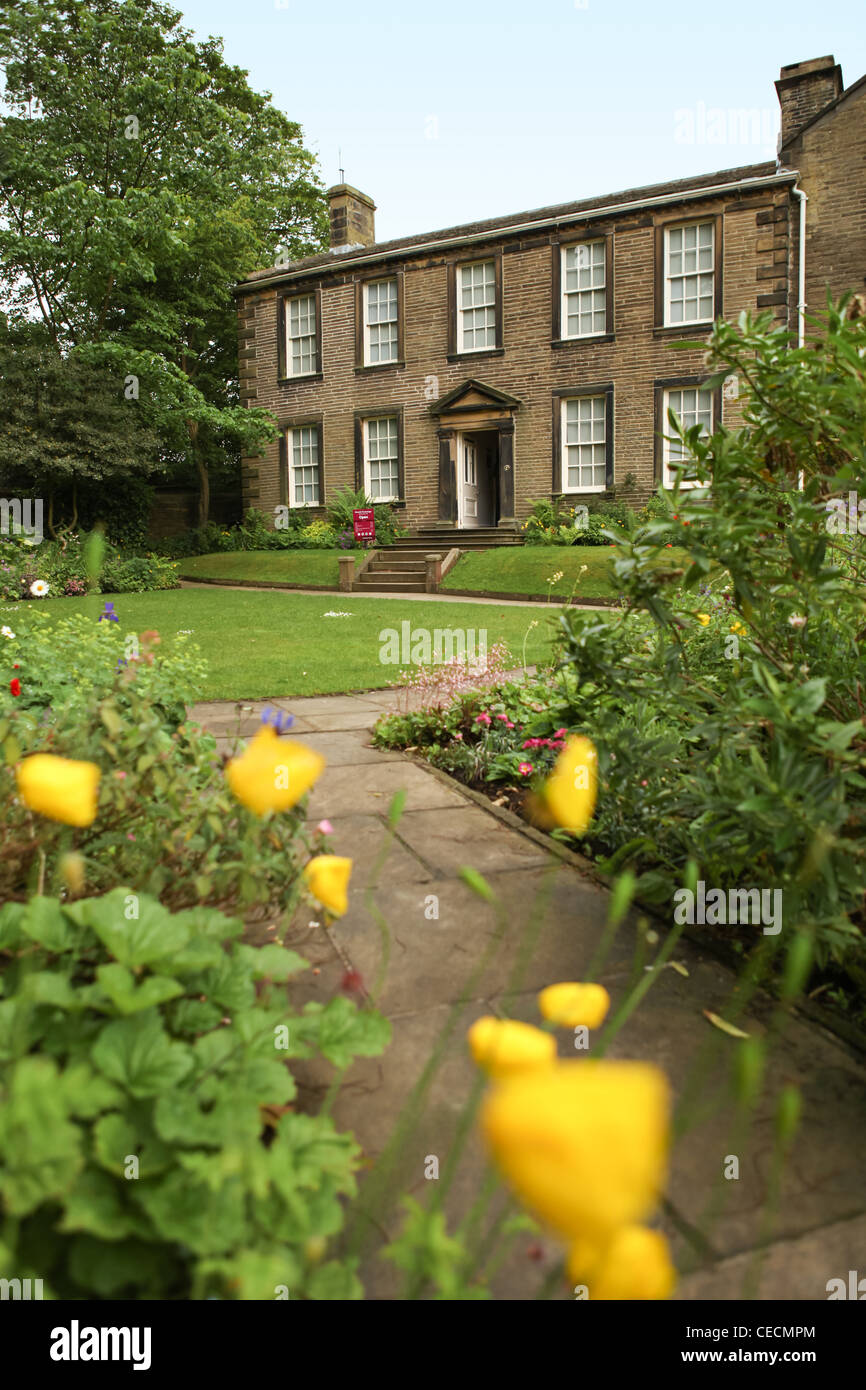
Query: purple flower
point(109, 613)
point(277, 718)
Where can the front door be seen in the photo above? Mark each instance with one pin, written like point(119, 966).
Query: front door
point(467, 513)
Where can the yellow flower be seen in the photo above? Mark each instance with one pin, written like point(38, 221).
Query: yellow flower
point(569, 794)
point(583, 1144)
point(272, 774)
point(328, 880)
point(506, 1047)
point(59, 788)
point(635, 1265)
point(738, 628)
point(572, 1005)
point(703, 618)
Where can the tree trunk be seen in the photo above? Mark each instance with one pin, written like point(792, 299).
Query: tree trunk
point(201, 469)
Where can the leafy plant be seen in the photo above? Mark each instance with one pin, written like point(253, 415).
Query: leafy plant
point(150, 1143)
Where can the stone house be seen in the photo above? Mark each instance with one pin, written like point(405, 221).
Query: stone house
point(464, 373)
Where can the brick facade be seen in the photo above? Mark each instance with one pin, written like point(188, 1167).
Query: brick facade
point(756, 216)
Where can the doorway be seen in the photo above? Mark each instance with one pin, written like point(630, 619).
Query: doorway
point(477, 479)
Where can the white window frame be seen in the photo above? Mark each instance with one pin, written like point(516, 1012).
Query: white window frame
point(590, 289)
point(669, 445)
point(460, 310)
point(291, 440)
point(685, 275)
point(591, 442)
point(368, 286)
point(368, 484)
point(301, 337)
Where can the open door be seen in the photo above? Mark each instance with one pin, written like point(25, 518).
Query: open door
point(467, 509)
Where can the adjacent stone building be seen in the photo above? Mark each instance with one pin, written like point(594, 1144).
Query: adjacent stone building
point(464, 373)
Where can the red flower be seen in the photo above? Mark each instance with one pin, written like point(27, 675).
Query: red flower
point(15, 686)
point(352, 983)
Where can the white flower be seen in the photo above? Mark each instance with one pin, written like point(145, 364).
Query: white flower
point(185, 631)
point(39, 588)
point(333, 614)
point(7, 632)
point(797, 620)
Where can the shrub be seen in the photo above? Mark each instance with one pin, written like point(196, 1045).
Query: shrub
point(148, 1142)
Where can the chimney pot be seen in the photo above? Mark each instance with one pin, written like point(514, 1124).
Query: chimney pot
point(353, 221)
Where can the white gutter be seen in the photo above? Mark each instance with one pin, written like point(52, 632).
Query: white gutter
point(492, 233)
point(801, 269)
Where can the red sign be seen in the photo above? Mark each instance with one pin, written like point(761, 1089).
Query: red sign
point(364, 523)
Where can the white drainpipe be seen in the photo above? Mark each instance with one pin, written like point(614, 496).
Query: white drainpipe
point(801, 289)
point(801, 269)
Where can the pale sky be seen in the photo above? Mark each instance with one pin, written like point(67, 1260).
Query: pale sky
point(466, 109)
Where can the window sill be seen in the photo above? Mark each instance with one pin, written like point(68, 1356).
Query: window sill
point(473, 356)
point(584, 492)
point(684, 330)
point(585, 338)
point(365, 367)
point(307, 376)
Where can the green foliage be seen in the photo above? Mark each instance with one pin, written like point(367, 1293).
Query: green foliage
point(63, 565)
point(82, 697)
point(152, 179)
point(148, 1148)
point(590, 521)
point(68, 436)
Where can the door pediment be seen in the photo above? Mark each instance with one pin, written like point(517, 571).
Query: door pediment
point(473, 398)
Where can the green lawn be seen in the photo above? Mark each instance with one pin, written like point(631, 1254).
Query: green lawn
point(309, 569)
point(266, 645)
point(526, 569)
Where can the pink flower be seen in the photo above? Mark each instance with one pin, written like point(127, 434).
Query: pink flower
point(324, 828)
point(120, 774)
point(508, 724)
point(130, 835)
point(503, 717)
point(525, 769)
point(482, 719)
point(644, 784)
point(561, 733)
point(458, 737)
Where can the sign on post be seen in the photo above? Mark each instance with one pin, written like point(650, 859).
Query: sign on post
point(364, 523)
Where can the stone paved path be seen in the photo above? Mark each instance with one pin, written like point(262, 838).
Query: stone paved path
point(820, 1228)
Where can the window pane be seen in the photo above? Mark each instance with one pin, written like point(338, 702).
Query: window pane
point(690, 273)
point(584, 272)
point(585, 442)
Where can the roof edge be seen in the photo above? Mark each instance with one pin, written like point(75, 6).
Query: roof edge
point(490, 233)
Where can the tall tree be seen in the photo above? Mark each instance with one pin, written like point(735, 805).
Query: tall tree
point(140, 178)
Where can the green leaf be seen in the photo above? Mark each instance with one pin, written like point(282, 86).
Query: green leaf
point(43, 921)
point(151, 936)
point(47, 987)
point(94, 1206)
point(10, 924)
point(41, 1149)
point(119, 1136)
point(272, 962)
point(119, 985)
point(139, 1055)
point(341, 1031)
point(335, 1281)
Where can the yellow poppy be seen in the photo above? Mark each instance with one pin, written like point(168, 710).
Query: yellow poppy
point(738, 628)
point(272, 774)
point(583, 1144)
point(703, 618)
point(328, 880)
point(574, 1005)
point(504, 1047)
point(60, 788)
point(636, 1264)
point(568, 796)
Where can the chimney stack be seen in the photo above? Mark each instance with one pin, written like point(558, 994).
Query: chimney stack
point(804, 89)
point(352, 218)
